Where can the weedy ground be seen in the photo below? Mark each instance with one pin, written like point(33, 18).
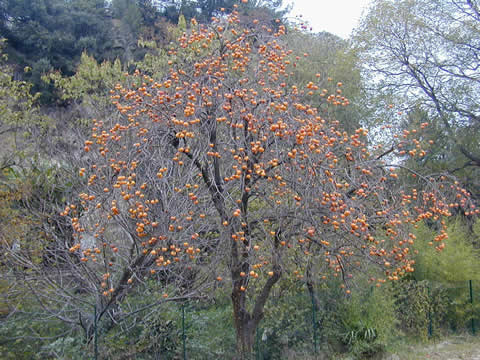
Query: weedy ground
point(464, 347)
point(461, 347)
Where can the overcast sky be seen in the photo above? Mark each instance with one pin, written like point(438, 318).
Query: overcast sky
point(338, 17)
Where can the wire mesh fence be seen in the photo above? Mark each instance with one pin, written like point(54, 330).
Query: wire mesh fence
point(462, 311)
point(304, 324)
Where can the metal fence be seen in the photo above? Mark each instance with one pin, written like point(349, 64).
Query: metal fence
point(294, 322)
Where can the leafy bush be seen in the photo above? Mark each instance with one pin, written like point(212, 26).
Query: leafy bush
point(421, 308)
point(27, 337)
point(461, 311)
point(287, 322)
point(457, 262)
point(447, 274)
point(367, 321)
point(152, 333)
point(209, 332)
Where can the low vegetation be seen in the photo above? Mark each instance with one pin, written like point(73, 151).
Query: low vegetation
point(229, 185)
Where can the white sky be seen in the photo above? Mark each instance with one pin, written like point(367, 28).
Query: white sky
point(338, 17)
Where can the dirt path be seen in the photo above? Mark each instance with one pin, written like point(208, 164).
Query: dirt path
point(455, 348)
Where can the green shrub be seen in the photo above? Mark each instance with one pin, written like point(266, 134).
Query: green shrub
point(209, 332)
point(448, 272)
point(421, 308)
point(368, 321)
point(457, 263)
point(287, 323)
point(461, 310)
point(27, 337)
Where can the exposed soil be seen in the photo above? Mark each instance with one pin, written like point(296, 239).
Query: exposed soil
point(454, 348)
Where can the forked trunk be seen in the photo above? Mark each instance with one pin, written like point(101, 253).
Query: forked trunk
point(246, 323)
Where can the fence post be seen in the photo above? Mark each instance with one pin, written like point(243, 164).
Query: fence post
point(471, 302)
point(314, 322)
point(430, 327)
point(258, 353)
point(184, 336)
point(95, 334)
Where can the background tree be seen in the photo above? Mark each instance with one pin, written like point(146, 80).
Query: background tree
point(204, 10)
point(51, 34)
point(22, 126)
point(422, 57)
point(30, 189)
point(334, 59)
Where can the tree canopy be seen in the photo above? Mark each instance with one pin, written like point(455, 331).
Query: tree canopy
point(221, 170)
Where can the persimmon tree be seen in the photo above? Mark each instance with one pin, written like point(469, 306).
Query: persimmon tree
point(221, 172)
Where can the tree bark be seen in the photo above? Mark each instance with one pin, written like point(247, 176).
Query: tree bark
point(246, 323)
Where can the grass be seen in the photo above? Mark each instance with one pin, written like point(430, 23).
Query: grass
point(465, 347)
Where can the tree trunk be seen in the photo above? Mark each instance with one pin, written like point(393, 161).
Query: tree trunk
point(245, 339)
point(245, 325)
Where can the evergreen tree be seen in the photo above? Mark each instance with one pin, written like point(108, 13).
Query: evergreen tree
point(52, 34)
